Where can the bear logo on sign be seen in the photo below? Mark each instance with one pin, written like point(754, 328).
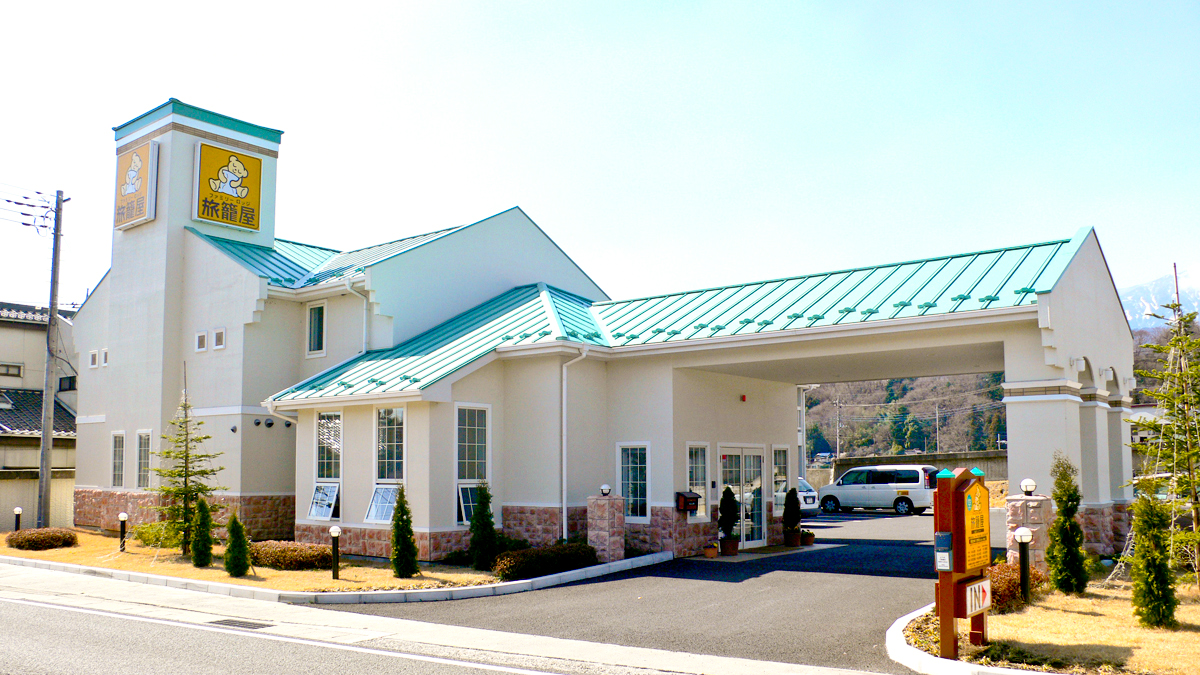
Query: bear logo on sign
point(133, 182)
point(230, 182)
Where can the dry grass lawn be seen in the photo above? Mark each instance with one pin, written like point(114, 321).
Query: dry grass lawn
point(1094, 633)
point(96, 550)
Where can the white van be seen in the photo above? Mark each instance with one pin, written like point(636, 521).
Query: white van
point(907, 488)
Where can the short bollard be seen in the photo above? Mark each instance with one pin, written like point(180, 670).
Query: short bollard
point(16, 519)
point(1024, 535)
point(334, 533)
point(122, 516)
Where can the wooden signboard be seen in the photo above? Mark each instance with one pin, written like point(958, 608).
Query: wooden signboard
point(962, 550)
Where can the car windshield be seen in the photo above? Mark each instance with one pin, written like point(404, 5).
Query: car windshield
point(804, 486)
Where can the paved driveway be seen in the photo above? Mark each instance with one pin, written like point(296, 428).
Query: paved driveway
point(827, 607)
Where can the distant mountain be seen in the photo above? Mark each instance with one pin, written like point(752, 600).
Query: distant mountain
point(1140, 300)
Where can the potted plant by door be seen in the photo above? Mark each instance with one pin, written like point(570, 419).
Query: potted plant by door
point(729, 514)
point(807, 537)
point(791, 518)
point(711, 550)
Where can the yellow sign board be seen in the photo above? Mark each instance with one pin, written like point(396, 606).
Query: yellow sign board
point(228, 187)
point(137, 175)
point(978, 525)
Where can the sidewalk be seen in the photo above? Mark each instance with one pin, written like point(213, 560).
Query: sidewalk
point(297, 621)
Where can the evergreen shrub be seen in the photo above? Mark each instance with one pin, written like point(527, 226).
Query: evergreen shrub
point(202, 540)
point(791, 511)
point(1064, 555)
point(291, 555)
point(539, 562)
point(41, 539)
point(1154, 598)
point(404, 543)
point(484, 546)
point(237, 548)
point(729, 513)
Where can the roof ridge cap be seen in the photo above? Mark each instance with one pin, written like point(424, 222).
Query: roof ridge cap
point(550, 309)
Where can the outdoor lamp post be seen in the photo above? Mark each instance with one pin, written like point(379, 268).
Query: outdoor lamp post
point(1028, 486)
point(16, 518)
point(122, 516)
point(1024, 535)
point(334, 533)
point(605, 489)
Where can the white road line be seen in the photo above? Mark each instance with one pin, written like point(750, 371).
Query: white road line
point(280, 638)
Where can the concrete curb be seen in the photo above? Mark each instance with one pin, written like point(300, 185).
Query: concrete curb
point(330, 597)
point(906, 655)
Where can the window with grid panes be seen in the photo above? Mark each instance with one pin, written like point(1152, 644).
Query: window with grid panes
point(329, 446)
point(698, 478)
point(143, 461)
point(118, 460)
point(781, 480)
point(472, 458)
point(389, 446)
point(633, 481)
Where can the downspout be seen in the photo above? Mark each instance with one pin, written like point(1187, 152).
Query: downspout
point(366, 315)
point(563, 423)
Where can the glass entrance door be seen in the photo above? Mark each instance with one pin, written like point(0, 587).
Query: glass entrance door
point(742, 473)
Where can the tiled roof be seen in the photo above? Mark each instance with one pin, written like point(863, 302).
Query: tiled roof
point(21, 414)
point(29, 313)
point(293, 265)
point(957, 284)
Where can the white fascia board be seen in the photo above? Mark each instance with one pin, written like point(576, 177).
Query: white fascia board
point(325, 289)
point(558, 348)
point(351, 399)
point(1036, 384)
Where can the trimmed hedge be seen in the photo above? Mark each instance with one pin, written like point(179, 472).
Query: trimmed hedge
point(291, 555)
point(539, 562)
point(1006, 586)
point(41, 539)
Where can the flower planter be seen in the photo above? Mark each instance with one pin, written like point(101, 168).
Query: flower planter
point(807, 538)
point(730, 546)
point(710, 552)
point(791, 538)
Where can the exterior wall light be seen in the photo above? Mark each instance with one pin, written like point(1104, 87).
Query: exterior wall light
point(123, 517)
point(286, 424)
point(605, 489)
point(16, 519)
point(257, 422)
point(270, 422)
point(334, 533)
point(233, 428)
point(1024, 535)
point(1028, 486)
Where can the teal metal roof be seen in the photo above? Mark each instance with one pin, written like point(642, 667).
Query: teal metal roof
point(174, 106)
point(522, 316)
point(293, 265)
point(1007, 277)
point(535, 314)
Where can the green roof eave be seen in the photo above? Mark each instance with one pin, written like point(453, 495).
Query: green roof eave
point(176, 107)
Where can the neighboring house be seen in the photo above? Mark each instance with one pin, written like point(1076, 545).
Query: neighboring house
point(483, 354)
point(22, 375)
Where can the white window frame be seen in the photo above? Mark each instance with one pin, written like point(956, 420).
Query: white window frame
point(149, 434)
point(459, 483)
point(94, 359)
point(112, 457)
point(379, 487)
point(336, 506)
point(705, 516)
point(218, 332)
point(104, 357)
point(786, 465)
point(635, 444)
point(403, 445)
point(201, 343)
point(324, 328)
point(317, 440)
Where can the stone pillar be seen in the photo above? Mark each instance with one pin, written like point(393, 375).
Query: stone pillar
point(606, 526)
point(1097, 523)
point(1035, 512)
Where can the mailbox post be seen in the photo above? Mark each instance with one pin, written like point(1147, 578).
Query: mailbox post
point(962, 550)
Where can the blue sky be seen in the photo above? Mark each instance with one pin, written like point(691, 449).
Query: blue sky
point(664, 146)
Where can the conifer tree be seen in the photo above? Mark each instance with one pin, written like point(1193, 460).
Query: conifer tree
point(184, 470)
point(1154, 599)
point(202, 541)
point(404, 545)
point(791, 511)
point(729, 513)
point(1064, 555)
point(237, 548)
point(483, 531)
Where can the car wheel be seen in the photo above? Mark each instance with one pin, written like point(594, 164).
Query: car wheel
point(918, 511)
point(904, 506)
point(829, 505)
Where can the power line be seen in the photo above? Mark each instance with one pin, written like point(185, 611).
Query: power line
point(923, 400)
point(18, 188)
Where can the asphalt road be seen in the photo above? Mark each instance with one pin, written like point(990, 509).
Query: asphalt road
point(818, 607)
point(40, 640)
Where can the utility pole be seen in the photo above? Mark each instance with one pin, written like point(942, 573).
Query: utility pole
point(50, 385)
point(837, 449)
point(937, 426)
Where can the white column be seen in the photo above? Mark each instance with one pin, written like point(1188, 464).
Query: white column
point(1093, 464)
point(1042, 419)
point(1120, 455)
